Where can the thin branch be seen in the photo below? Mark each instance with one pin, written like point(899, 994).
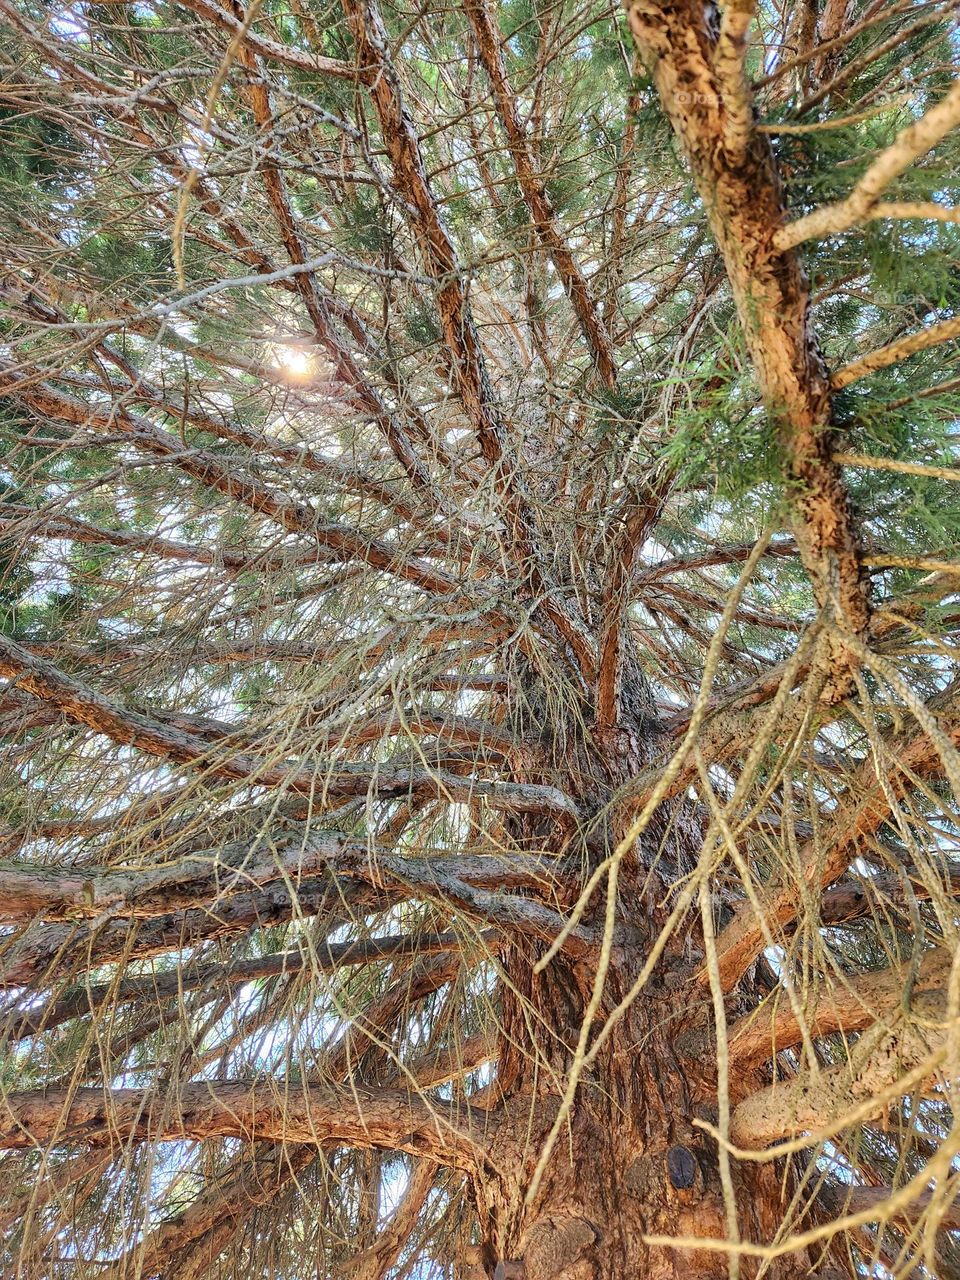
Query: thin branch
point(85, 705)
point(894, 352)
point(911, 143)
point(209, 469)
point(897, 465)
point(489, 46)
point(322, 957)
point(314, 63)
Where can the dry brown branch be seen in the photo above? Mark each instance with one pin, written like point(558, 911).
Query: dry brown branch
point(851, 1004)
point(277, 1109)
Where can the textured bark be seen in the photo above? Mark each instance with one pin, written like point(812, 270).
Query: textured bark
point(863, 1087)
point(197, 879)
point(285, 1111)
point(736, 176)
point(629, 1162)
point(864, 1000)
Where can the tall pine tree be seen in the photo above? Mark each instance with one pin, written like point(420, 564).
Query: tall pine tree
point(478, 637)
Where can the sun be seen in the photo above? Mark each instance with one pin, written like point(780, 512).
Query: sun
point(293, 360)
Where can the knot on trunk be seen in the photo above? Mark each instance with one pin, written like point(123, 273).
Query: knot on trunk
point(679, 1168)
point(553, 1245)
point(509, 1270)
point(682, 1168)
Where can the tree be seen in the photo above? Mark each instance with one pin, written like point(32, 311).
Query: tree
point(480, 706)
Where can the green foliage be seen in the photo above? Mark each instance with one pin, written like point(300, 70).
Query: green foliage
point(35, 149)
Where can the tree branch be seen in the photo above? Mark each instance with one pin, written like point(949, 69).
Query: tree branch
point(849, 1004)
point(321, 957)
point(28, 890)
point(744, 205)
point(374, 1263)
point(209, 469)
point(489, 46)
point(908, 146)
point(86, 706)
point(468, 366)
point(884, 1065)
point(45, 954)
point(277, 1110)
point(894, 352)
point(273, 49)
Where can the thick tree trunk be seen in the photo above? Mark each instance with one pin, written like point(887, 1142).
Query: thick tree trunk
point(628, 1163)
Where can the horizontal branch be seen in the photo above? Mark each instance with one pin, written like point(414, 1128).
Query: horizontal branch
point(922, 210)
point(897, 465)
point(725, 553)
point(842, 1199)
point(25, 522)
point(468, 731)
point(277, 1110)
point(84, 705)
point(852, 899)
point(207, 877)
point(146, 648)
point(884, 1065)
point(49, 952)
point(46, 954)
point(859, 1002)
point(322, 957)
point(437, 1067)
point(315, 63)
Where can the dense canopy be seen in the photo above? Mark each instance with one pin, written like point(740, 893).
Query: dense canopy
point(479, 703)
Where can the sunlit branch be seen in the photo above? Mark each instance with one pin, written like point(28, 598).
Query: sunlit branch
point(909, 145)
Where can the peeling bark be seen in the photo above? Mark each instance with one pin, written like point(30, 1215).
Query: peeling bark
point(743, 202)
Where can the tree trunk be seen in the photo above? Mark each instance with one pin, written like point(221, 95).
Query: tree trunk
point(628, 1163)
